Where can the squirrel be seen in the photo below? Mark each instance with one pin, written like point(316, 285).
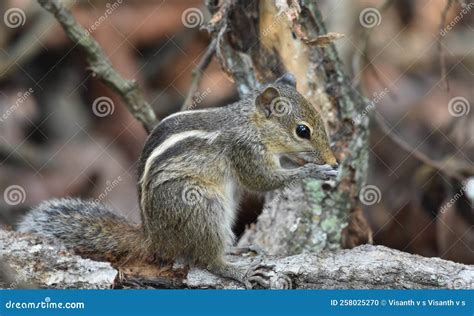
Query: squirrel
point(192, 169)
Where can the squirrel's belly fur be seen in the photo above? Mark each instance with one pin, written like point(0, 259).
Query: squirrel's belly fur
point(202, 228)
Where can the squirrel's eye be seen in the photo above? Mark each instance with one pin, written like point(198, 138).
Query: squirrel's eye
point(303, 131)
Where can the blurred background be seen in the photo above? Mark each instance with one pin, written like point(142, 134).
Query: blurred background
point(63, 133)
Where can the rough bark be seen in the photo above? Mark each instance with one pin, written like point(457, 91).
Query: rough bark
point(34, 261)
point(257, 42)
point(30, 261)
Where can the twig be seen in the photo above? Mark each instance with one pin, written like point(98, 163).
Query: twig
point(198, 72)
point(101, 66)
point(323, 40)
point(320, 41)
point(442, 55)
point(217, 17)
point(292, 9)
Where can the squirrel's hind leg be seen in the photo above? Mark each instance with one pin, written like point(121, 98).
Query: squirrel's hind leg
point(255, 274)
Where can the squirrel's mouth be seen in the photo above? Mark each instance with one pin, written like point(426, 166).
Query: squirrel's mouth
point(293, 160)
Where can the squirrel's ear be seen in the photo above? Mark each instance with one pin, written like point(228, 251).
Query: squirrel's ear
point(287, 79)
point(265, 98)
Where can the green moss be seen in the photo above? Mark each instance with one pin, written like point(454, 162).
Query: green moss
point(330, 224)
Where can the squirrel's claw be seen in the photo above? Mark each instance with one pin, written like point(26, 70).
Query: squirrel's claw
point(322, 172)
point(258, 274)
point(331, 174)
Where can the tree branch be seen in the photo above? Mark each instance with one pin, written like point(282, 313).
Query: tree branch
point(441, 50)
point(197, 74)
point(362, 267)
point(100, 64)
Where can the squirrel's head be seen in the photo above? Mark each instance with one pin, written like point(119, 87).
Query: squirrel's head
point(291, 127)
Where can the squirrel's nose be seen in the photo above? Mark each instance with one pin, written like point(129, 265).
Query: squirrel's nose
point(335, 165)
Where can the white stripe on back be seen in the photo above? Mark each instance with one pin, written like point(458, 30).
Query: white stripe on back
point(187, 112)
point(171, 141)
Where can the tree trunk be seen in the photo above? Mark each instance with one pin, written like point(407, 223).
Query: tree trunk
point(258, 41)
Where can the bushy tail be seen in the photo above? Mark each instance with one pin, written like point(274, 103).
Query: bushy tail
point(87, 227)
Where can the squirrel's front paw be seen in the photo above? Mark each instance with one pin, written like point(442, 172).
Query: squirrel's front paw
point(322, 172)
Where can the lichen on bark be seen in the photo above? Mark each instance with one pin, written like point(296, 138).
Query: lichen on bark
point(258, 41)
